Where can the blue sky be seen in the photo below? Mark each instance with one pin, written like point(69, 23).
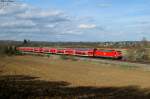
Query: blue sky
point(76, 20)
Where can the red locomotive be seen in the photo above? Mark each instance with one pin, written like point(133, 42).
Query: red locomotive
point(108, 53)
point(75, 51)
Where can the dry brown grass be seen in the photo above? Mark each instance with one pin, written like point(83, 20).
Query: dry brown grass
point(78, 73)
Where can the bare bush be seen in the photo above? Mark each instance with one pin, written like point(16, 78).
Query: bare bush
point(138, 55)
point(7, 50)
point(139, 52)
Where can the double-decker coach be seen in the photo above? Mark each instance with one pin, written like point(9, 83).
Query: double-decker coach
point(70, 51)
point(84, 51)
point(61, 51)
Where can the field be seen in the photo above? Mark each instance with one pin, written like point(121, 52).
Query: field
point(36, 76)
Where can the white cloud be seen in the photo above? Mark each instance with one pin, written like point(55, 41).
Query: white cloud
point(50, 25)
point(23, 18)
point(87, 26)
point(16, 23)
point(20, 21)
point(36, 13)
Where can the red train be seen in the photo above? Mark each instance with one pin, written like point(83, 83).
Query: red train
point(90, 52)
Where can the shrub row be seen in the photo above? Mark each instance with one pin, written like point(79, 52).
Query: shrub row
point(138, 54)
point(7, 50)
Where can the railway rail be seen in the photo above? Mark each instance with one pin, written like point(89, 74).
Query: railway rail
point(125, 63)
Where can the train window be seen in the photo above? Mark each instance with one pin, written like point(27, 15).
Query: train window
point(106, 50)
point(83, 49)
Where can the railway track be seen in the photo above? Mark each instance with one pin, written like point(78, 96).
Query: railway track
point(123, 63)
point(117, 62)
point(129, 64)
